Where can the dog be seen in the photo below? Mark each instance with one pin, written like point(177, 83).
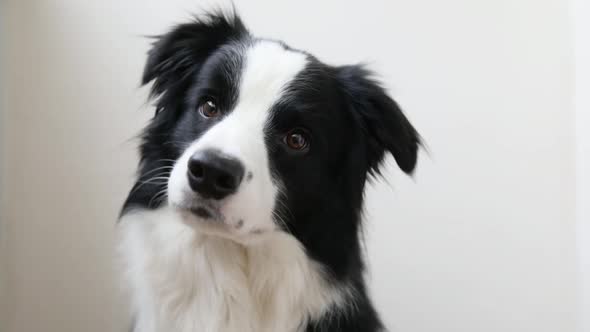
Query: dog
point(246, 213)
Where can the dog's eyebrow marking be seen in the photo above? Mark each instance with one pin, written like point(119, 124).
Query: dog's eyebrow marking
point(249, 176)
point(256, 231)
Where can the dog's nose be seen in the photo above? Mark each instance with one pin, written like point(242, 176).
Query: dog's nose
point(213, 174)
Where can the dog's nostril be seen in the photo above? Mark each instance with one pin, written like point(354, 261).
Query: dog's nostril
point(226, 182)
point(197, 170)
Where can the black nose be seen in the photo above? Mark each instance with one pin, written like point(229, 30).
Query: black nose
point(213, 174)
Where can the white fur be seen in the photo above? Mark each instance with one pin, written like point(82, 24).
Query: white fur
point(183, 280)
point(268, 68)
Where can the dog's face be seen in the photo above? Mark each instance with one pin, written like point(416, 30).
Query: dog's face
point(251, 136)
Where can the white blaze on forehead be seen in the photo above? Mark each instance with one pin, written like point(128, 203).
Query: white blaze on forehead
point(268, 68)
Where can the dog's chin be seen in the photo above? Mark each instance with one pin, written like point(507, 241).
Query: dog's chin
point(208, 219)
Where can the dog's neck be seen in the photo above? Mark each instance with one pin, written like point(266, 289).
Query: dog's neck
point(185, 281)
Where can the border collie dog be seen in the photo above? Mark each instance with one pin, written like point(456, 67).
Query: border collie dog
point(246, 213)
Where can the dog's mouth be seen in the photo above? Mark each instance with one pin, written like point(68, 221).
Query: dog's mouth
point(207, 212)
point(203, 210)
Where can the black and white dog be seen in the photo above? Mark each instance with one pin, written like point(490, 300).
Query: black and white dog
point(246, 213)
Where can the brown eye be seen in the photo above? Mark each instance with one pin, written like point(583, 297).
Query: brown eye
point(297, 139)
point(208, 109)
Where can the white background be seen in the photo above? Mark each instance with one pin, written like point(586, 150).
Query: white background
point(581, 15)
point(483, 238)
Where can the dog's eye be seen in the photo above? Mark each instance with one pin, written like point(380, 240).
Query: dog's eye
point(208, 109)
point(297, 139)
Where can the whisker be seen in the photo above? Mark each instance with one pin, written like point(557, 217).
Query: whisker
point(164, 159)
point(285, 207)
point(281, 221)
point(150, 180)
point(156, 169)
point(156, 177)
point(159, 195)
point(179, 143)
point(279, 214)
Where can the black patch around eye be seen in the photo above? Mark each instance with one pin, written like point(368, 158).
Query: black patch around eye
point(219, 78)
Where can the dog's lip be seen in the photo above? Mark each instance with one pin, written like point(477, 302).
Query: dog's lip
point(202, 210)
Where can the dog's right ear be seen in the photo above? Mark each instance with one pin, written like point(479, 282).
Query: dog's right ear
point(177, 55)
point(386, 127)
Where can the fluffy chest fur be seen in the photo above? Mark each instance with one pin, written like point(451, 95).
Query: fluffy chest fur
point(185, 281)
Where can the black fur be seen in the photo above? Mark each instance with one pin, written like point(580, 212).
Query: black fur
point(353, 124)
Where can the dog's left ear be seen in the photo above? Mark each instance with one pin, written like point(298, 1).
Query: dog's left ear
point(178, 55)
point(385, 126)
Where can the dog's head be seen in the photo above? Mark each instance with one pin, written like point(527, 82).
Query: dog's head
point(251, 136)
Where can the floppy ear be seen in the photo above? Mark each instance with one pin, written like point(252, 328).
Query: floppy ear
point(385, 126)
point(177, 55)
